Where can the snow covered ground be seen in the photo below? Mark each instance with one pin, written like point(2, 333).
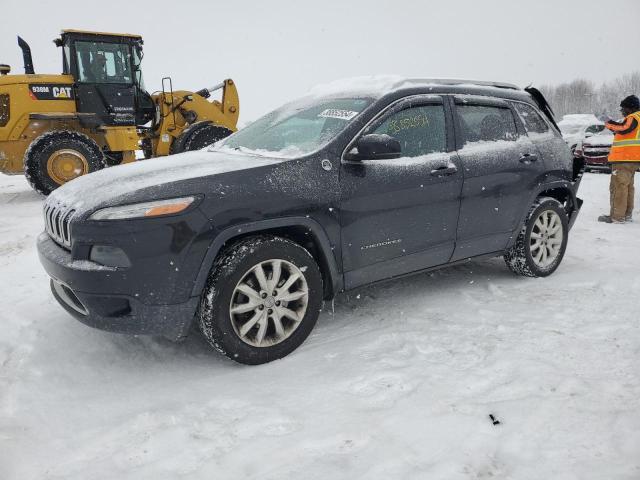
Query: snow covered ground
point(398, 383)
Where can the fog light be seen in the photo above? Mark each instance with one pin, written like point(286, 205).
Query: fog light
point(109, 256)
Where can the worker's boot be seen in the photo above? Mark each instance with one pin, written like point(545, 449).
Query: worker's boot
point(608, 219)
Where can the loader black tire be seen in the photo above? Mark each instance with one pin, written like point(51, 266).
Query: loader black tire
point(41, 155)
point(197, 136)
point(147, 148)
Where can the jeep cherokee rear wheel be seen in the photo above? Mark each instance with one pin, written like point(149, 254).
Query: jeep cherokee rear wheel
point(262, 300)
point(541, 244)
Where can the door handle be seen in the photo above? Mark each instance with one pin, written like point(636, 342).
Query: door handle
point(528, 158)
point(443, 171)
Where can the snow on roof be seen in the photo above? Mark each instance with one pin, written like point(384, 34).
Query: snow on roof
point(376, 84)
point(579, 119)
point(381, 84)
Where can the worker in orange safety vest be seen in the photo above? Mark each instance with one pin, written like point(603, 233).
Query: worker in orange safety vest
point(625, 160)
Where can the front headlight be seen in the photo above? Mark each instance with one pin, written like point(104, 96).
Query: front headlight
point(143, 210)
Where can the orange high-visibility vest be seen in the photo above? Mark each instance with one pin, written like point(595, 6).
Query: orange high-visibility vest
point(626, 147)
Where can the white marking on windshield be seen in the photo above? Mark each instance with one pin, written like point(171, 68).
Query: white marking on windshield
point(339, 114)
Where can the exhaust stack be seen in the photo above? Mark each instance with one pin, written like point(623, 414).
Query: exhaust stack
point(26, 55)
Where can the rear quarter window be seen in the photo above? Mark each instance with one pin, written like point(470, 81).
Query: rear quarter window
point(532, 121)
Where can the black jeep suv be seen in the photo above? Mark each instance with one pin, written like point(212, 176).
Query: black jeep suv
point(344, 187)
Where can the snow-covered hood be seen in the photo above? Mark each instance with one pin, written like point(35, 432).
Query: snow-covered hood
point(571, 138)
point(119, 185)
point(602, 139)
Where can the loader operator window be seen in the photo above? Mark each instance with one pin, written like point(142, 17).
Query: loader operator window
point(100, 62)
point(297, 128)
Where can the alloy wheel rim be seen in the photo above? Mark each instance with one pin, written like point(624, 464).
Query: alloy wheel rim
point(269, 303)
point(546, 239)
point(65, 165)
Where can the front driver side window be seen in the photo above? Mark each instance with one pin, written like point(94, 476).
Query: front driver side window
point(420, 130)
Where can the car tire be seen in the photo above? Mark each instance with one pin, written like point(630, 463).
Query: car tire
point(239, 315)
point(197, 136)
point(55, 158)
point(541, 243)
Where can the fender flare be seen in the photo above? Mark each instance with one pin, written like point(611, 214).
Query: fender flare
point(328, 261)
point(554, 185)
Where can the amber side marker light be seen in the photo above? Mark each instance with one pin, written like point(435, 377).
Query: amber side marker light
point(166, 209)
point(151, 209)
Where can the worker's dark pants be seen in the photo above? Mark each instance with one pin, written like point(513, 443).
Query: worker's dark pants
point(622, 190)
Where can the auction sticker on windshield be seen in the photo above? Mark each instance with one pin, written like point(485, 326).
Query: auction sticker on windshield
point(336, 113)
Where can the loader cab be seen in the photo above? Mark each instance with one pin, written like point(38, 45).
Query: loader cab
point(108, 77)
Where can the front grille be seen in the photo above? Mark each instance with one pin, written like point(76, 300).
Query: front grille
point(57, 223)
point(596, 151)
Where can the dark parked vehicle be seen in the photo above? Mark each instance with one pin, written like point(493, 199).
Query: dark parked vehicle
point(339, 189)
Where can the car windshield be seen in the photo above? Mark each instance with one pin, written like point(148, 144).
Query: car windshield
point(594, 129)
point(297, 128)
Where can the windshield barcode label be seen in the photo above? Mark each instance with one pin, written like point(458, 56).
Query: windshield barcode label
point(340, 114)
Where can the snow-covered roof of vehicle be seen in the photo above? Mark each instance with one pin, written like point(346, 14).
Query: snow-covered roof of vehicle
point(380, 84)
point(579, 119)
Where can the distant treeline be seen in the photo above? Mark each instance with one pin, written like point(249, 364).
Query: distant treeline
point(584, 96)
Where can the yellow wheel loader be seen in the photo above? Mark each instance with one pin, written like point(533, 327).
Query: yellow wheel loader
point(97, 113)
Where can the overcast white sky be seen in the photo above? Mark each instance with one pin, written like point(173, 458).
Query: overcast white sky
point(277, 50)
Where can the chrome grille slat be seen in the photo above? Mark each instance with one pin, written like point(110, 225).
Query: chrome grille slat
point(56, 223)
point(50, 223)
point(47, 210)
point(57, 219)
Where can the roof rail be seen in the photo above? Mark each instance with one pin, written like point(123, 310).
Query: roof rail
point(457, 81)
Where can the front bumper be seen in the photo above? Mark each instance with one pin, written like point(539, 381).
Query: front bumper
point(79, 287)
point(597, 163)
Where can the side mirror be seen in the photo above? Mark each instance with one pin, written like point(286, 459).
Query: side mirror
point(588, 134)
point(376, 147)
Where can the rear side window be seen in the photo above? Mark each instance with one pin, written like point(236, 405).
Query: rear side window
point(531, 119)
point(483, 123)
point(420, 130)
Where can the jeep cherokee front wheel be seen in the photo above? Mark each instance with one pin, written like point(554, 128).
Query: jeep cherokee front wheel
point(262, 299)
point(541, 244)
